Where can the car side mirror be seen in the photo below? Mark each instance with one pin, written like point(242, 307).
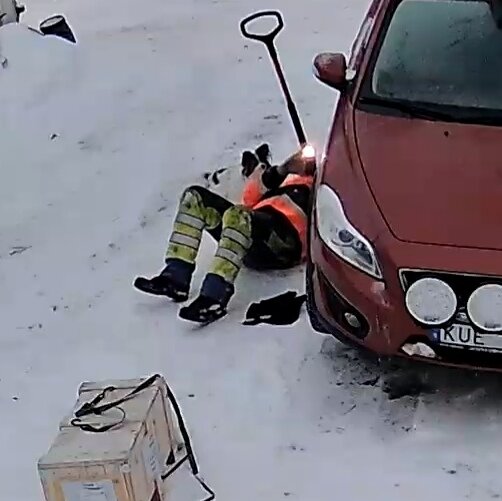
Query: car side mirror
point(330, 69)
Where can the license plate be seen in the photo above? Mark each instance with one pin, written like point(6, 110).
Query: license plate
point(464, 336)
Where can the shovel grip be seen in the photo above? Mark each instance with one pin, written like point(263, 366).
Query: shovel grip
point(266, 38)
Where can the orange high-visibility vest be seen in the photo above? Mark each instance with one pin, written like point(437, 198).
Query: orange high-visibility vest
point(255, 189)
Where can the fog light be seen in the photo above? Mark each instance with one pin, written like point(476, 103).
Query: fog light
point(352, 320)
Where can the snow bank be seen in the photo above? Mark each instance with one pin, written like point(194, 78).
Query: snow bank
point(8, 10)
point(35, 63)
point(39, 81)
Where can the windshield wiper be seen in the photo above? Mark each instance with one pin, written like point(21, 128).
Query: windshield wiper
point(410, 109)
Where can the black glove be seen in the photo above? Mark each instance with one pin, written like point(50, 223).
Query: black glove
point(279, 310)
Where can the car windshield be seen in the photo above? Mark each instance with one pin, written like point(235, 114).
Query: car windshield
point(443, 53)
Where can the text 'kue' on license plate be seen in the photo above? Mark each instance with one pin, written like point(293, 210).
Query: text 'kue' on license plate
point(464, 336)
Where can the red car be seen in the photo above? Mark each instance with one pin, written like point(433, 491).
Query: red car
point(405, 237)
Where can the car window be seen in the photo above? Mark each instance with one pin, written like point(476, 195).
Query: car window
point(445, 52)
point(359, 46)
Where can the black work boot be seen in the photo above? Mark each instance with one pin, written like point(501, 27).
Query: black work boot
point(211, 305)
point(173, 282)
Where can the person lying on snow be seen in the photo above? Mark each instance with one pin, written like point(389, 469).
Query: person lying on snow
point(266, 231)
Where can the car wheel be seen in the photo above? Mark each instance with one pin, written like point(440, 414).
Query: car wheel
point(319, 324)
point(315, 320)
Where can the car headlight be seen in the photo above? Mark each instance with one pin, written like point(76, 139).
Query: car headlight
point(340, 236)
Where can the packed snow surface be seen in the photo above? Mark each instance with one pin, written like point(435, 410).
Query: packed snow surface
point(96, 142)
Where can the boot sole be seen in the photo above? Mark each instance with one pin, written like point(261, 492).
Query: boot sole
point(199, 320)
point(143, 285)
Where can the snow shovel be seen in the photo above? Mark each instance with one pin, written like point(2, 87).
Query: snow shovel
point(268, 40)
point(285, 308)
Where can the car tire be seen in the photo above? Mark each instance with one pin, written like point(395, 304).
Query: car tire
point(315, 318)
point(322, 326)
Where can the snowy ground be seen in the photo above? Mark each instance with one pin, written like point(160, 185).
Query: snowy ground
point(96, 142)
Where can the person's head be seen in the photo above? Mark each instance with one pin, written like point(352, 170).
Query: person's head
point(252, 159)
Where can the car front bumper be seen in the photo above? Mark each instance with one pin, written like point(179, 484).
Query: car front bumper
point(338, 292)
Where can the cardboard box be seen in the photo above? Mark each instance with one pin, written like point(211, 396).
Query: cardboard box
point(122, 464)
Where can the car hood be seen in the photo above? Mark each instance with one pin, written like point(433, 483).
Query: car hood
point(435, 183)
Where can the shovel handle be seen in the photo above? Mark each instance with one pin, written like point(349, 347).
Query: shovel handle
point(266, 38)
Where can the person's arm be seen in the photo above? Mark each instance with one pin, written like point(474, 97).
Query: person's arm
point(254, 188)
point(274, 176)
point(263, 180)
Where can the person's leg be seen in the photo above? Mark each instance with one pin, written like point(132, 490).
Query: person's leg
point(256, 237)
point(199, 209)
point(218, 285)
point(260, 239)
point(233, 245)
point(276, 244)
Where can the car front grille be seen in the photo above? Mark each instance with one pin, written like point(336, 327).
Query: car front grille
point(463, 285)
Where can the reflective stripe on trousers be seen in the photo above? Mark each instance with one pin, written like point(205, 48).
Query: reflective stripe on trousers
point(233, 245)
point(189, 223)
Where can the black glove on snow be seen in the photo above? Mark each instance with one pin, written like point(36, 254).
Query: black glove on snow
point(279, 310)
